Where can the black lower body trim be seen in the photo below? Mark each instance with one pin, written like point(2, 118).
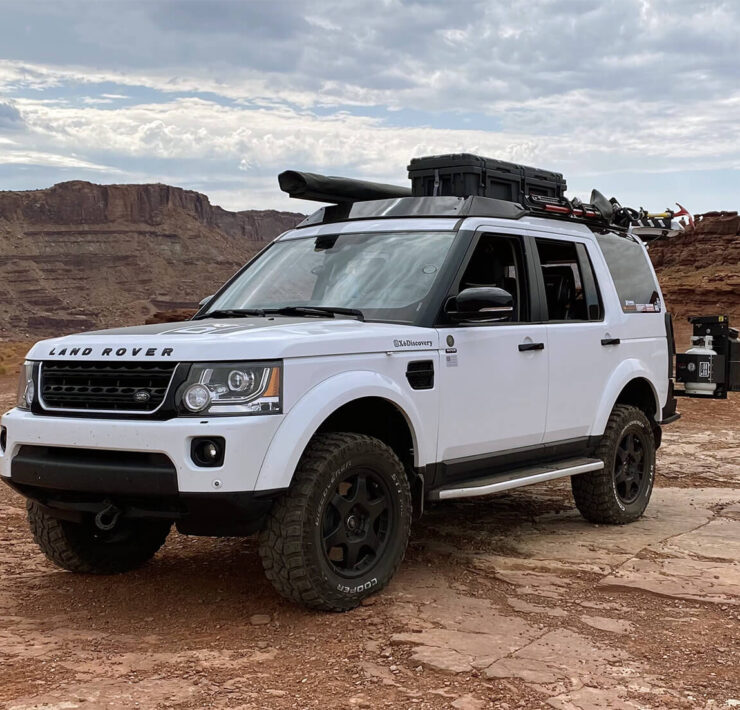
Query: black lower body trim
point(669, 413)
point(488, 464)
point(94, 471)
point(210, 514)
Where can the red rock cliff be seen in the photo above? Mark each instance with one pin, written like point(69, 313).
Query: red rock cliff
point(699, 270)
point(79, 256)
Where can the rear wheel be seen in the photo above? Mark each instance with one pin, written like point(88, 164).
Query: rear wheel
point(620, 492)
point(83, 548)
point(340, 532)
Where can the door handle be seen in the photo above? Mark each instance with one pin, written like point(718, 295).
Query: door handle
point(523, 347)
point(610, 341)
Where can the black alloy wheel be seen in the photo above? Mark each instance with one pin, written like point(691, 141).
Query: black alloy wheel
point(619, 492)
point(630, 467)
point(339, 533)
point(357, 523)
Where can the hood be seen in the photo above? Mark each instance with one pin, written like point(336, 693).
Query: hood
point(271, 337)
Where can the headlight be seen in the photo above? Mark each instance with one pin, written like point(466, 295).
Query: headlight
point(233, 388)
point(26, 386)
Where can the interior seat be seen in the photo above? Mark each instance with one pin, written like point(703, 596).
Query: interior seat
point(560, 288)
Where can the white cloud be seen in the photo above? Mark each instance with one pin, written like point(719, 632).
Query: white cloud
point(224, 94)
point(32, 157)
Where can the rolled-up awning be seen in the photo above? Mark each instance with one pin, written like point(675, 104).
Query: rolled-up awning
point(326, 188)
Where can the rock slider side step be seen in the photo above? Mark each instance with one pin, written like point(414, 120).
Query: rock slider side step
point(515, 478)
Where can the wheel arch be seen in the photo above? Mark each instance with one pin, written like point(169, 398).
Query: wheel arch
point(630, 384)
point(363, 402)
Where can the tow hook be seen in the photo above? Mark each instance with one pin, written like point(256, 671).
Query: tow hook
point(107, 518)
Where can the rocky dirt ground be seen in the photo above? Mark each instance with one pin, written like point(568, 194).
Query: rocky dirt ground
point(504, 602)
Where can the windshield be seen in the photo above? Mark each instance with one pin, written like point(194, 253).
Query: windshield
point(384, 275)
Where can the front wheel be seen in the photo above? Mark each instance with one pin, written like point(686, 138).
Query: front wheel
point(620, 492)
point(340, 532)
point(83, 548)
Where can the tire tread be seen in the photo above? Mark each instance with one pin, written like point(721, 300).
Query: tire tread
point(282, 544)
point(594, 492)
point(58, 541)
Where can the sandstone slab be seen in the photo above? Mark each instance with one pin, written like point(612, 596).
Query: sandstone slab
point(681, 578)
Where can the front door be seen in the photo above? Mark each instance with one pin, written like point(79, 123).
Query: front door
point(493, 374)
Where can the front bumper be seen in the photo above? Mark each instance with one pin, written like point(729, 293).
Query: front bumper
point(247, 441)
point(212, 514)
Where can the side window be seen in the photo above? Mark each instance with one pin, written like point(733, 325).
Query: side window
point(570, 286)
point(631, 272)
point(499, 261)
point(594, 304)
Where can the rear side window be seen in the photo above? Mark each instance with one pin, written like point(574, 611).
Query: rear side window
point(570, 285)
point(631, 272)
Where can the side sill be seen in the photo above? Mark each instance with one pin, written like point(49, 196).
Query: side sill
point(517, 478)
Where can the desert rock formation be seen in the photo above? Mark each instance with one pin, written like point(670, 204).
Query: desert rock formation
point(699, 270)
point(78, 256)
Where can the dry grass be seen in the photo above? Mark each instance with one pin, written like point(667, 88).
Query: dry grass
point(11, 357)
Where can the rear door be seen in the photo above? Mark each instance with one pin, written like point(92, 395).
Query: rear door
point(583, 350)
point(639, 310)
point(493, 374)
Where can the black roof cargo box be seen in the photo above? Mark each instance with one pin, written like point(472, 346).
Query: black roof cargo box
point(464, 174)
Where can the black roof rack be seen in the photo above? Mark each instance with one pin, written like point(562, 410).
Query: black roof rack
point(444, 206)
point(360, 199)
point(449, 206)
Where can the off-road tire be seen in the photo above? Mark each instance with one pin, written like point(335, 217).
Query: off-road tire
point(82, 548)
point(292, 542)
point(596, 493)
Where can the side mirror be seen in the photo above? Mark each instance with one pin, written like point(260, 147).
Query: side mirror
point(481, 303)
point(204, 301)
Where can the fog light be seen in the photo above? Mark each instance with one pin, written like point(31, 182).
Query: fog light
point(3, 438)
point(208, 452)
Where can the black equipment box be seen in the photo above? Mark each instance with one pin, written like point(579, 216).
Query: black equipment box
point(722, 369)
point(464, 174)
point(692, 367)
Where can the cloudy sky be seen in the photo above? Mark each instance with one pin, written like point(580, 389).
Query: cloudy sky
point(640, 98)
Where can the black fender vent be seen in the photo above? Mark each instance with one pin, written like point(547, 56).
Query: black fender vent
point(420, 374)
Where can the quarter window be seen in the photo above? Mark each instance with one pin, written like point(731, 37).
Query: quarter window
point(631, 272)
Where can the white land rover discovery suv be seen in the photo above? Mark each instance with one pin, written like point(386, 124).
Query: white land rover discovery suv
point(385, 353)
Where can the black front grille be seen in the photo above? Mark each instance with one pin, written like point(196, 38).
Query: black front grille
point(105, 386)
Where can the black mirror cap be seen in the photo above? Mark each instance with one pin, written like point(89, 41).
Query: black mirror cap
point(479, 298)
point(487, 302)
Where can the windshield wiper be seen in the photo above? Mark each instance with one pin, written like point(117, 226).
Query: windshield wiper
point(321, 311)
point(231, 313)
point(317, 311)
